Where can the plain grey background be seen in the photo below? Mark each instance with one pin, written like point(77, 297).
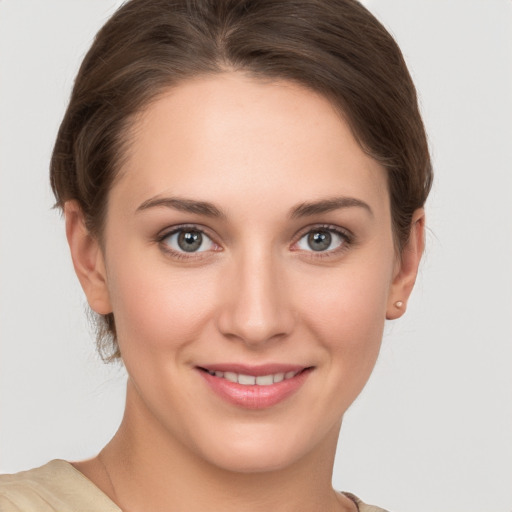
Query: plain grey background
point(433, 428)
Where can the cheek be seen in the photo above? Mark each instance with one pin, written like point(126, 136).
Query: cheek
point(346, 311)
point(156, 306)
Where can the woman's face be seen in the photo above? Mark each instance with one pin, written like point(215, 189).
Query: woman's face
point(247, 239)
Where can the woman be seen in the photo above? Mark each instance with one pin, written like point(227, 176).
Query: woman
point(243, 186)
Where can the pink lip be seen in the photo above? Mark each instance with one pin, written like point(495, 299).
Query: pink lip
point(256, 396)
point(256, 370)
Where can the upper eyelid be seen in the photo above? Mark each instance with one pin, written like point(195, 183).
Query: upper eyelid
point(180, 254)
point(166, 232)
point(328, 227)
point(342, 232)
point(170, 230)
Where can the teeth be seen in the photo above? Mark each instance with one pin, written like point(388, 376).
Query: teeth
point(231, 376)
point(264, 380)
point(248, 380)
point(251, 380)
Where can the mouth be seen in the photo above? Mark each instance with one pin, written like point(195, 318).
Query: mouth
point(254, 380)
point(256, 387)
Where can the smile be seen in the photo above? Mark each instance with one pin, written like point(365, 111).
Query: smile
point(255, 387)
point(253, 380)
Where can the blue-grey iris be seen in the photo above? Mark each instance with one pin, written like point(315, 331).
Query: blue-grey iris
point(190, 241)
point(319, 240)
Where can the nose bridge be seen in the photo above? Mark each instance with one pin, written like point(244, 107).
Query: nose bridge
point(257, 309)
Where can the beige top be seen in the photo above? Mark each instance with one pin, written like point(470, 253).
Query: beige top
point(59, 487)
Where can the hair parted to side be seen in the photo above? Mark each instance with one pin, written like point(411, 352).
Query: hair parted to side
point(334, 47)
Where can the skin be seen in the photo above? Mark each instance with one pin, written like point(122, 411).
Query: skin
point(257, 294)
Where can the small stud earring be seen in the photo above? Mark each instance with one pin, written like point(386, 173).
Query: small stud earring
point(398, 304)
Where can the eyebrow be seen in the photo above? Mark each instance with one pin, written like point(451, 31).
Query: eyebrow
point(307, 209)
point(184, 205)
point(328, 205)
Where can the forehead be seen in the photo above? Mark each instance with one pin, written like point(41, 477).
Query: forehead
point(231, 138)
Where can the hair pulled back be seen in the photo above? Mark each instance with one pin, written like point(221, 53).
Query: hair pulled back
point(334, 47)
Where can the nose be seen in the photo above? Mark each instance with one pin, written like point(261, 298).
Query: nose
point(255, 306)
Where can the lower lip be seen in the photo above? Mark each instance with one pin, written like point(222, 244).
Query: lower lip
point(255, 397)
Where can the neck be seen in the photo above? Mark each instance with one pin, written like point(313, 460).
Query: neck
point(149, 469)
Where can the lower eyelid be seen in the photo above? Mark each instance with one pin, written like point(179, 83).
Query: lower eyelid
point(161, 238)
point(346, 239)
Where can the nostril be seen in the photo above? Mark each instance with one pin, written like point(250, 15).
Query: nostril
point(255, 309)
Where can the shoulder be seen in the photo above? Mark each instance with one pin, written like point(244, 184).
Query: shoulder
point(56, 486)
point(362, 507)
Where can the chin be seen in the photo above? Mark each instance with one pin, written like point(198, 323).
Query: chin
point(254, 461)
point(264, 450)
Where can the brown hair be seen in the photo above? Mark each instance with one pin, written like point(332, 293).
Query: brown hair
point(335, 47)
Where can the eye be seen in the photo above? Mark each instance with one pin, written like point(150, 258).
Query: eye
point(322, 240)
point(188, 240)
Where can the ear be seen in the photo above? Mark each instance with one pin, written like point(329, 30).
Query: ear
point(87, 259)
point(407, 267)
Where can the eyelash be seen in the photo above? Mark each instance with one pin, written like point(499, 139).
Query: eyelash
point(347, 240)
point(346, 236)
point(183, 255)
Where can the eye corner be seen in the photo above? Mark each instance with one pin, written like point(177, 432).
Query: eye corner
point(187, 241)
point(324, 236)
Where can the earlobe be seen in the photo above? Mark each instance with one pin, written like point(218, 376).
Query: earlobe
point(405, 276)
point(87, 259)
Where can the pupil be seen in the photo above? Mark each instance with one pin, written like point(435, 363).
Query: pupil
point(319, 240)
point(190, 241)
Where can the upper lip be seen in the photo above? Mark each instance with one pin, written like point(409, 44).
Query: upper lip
point(256, 370)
